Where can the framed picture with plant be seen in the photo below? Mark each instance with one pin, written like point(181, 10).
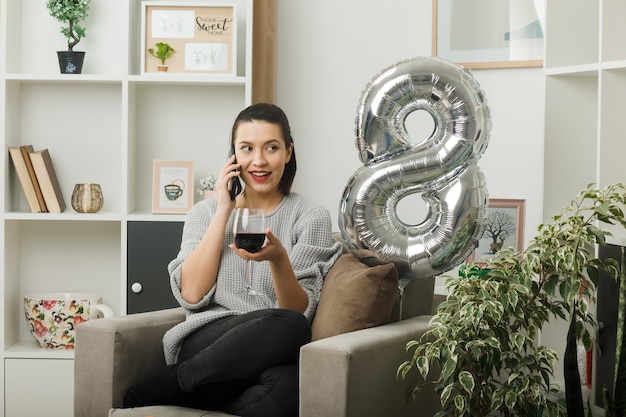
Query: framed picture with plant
point(504, 227)
point(202, 34)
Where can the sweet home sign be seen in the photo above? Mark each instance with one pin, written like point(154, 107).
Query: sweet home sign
point(203, 35)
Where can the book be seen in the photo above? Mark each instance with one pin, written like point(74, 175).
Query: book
point(48, 181)
point(24, 177)
point(33, 177)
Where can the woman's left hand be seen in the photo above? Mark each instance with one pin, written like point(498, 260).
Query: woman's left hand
point(289, 293)
point(272, 251)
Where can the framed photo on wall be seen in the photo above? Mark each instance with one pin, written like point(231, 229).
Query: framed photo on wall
point(489, 33)
point(504, 228)
point(172, 190)
point(202, 34)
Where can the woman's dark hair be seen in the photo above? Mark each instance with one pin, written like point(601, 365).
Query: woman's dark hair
point(267, 112)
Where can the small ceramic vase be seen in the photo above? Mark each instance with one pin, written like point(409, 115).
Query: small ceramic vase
point(87, 198)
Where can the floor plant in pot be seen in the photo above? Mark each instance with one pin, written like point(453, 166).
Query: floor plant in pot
point(483, 339)
point(70, 13)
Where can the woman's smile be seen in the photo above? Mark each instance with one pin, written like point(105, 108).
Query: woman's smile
point(260, 176)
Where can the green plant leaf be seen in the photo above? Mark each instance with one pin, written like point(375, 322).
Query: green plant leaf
point(422, 366)
point(510, 399)
point(497, 399)
point(445, 394)
point(448, 369)
point(467, 381)
point(403, 370)
point(459, 403)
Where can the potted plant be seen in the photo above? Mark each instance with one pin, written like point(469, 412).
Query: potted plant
point(483, 339)
point(70, 13)
point(207, 186)
point(162, 52)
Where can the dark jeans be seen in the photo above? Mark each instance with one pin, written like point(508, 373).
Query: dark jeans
point(245, 365)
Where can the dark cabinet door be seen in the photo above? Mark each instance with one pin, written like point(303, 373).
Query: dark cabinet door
point(151, 247)
point(607, 305)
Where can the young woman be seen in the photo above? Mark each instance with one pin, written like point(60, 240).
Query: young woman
point(237, 352)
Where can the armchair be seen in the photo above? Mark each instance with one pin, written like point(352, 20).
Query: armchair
point(351, 374)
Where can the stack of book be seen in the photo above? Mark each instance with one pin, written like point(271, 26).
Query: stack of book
point(38, 179)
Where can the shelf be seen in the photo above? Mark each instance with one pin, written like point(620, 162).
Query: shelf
point(188, 79)
point(617, 239)
point(68, 215)
point(586, 70)
point(64, 78)
point(614, 65)
point(106, 126)
point(31, 350)
point(149, 217)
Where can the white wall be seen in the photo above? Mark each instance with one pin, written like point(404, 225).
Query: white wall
point(327, 53)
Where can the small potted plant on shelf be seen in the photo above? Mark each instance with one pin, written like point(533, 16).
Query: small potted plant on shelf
point(162, 52)
point(207, 186)
point(70, 13)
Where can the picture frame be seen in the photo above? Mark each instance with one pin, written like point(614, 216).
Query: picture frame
point(172, 189)
point(203, 35)
point(504, 227)
point(482, 34)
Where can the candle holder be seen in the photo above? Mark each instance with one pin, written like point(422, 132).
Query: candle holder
point(87, 198)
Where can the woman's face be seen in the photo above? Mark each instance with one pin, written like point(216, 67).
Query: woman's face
point(262, 153)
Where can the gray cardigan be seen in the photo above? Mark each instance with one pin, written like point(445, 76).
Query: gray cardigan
point(305, 230)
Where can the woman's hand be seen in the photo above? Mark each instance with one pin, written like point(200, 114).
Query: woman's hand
point(288, 290)
point(272, 251)
point(230, 170)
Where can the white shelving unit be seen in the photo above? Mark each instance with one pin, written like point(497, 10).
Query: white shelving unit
point(106, 125)
point(585, 82)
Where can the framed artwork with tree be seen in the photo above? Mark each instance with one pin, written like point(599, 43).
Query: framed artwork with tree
point(504, 227)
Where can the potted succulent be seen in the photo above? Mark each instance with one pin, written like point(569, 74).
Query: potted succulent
point(70, 13)
point(207, 186)
point(162, 52)
point(483, 338)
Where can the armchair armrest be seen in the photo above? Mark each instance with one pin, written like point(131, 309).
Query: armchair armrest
point(111, 354)
point(354, 374)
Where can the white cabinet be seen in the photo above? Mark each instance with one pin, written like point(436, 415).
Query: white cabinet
point(106, 126)
point(585, 82)
point(39, 387)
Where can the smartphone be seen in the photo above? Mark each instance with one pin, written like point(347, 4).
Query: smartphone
point(234, 185)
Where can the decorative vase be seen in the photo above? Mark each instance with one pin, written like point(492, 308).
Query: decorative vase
point(71, 62)
point(87, 198)
point(207, 194)
point(162, 68)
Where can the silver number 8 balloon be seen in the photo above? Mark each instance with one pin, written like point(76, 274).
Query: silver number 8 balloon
point(443, 168)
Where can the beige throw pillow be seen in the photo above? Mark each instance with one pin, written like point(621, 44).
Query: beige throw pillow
point(355, 296)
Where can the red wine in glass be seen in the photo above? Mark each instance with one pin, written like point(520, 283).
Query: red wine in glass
point(249, 231)
point(252, 242)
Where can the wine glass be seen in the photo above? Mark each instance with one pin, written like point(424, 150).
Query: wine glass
point(249, 231)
